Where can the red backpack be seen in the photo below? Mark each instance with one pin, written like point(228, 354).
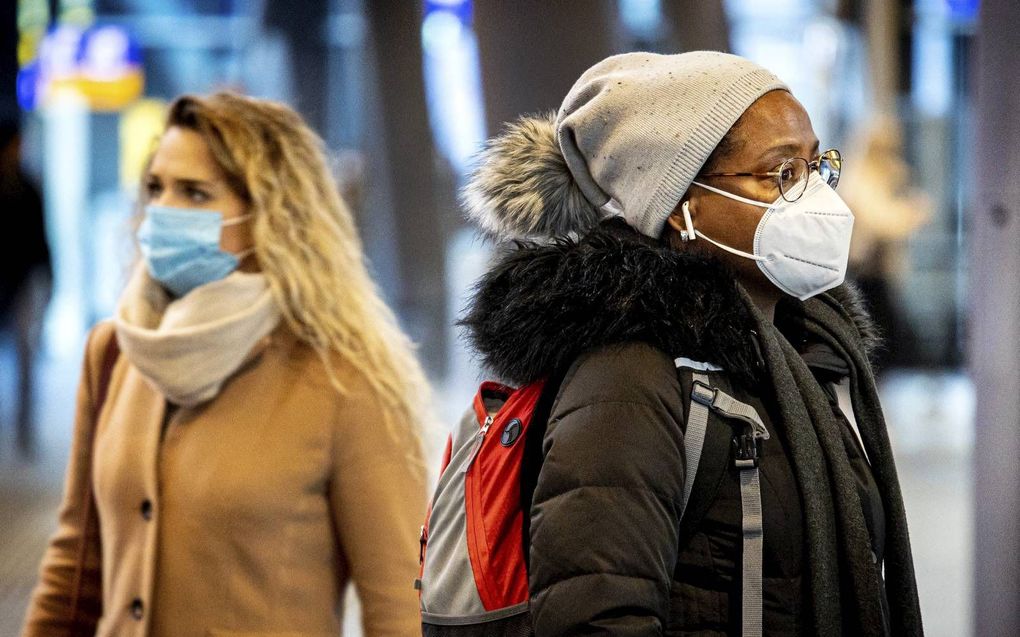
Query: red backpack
point(475, 541)
point(485, 486)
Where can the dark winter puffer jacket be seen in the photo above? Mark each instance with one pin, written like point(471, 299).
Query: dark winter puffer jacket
point(609, 552)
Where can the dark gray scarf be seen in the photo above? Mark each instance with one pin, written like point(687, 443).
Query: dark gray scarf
point(846, 588)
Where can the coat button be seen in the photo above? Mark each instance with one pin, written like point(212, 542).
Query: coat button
point(137, 609)
point(146, 509)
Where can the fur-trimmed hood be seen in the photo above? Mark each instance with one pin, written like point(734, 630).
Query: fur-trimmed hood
point(542, 306)
point(521, 187)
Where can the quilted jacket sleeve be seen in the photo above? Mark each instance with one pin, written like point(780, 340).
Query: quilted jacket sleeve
point(605, 514)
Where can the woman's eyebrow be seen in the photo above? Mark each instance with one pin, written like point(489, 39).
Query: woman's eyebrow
point(786, 151)
point(195, 182)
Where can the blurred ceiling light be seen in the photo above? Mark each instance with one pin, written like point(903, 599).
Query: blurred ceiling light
point(821, 38)
point(643, 18)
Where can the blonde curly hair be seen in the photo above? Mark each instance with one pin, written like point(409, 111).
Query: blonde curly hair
point(306, 242)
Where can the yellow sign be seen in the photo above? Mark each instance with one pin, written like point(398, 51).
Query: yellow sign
point(140, 128)
point(104, 95)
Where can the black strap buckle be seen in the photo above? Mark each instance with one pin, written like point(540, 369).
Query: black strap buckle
point(704, 394)
point(747, 450)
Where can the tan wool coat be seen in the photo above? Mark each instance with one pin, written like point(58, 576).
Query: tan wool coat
point(245, 516)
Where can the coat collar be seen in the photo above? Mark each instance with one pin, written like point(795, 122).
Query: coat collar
point(543, 305)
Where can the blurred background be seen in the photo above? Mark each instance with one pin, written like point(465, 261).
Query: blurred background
point(403, 93)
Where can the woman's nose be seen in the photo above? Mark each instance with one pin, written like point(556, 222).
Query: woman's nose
point(164, 198)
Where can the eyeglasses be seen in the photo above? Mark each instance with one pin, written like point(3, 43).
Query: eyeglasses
point(792, 175)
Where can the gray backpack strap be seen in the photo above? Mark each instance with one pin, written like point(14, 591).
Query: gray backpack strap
point(747, 452)
point(750, 506)
point(694, 437)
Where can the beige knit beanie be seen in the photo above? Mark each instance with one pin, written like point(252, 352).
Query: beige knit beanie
point(629, 138)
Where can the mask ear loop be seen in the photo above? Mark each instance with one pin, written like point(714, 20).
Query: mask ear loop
point(690, 234)
point(243, 254)
point(236, 220)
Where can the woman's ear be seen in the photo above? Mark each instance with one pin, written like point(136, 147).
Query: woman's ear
point(676, 218)
point(681, 220)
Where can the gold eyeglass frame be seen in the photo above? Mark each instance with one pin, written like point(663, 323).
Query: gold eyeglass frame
point(811, 165)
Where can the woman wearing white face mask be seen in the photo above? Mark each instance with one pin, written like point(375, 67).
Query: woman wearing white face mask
point(248, 429)
point(698, 475)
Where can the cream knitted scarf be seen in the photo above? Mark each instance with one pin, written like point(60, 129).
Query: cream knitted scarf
point(188, 347)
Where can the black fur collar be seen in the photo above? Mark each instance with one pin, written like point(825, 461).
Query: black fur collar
point(542, 306)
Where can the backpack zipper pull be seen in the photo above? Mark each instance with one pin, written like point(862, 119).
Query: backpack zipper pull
point(477, 445)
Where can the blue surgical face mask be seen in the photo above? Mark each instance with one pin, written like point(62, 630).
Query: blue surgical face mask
point(181, 247)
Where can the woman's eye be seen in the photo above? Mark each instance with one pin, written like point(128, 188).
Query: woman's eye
point(152, 189)
point(197, 196)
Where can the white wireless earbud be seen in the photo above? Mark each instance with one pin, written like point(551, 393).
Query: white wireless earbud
point(688, 234)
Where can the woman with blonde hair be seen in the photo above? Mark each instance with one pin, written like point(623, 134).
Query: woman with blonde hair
point(248, 425)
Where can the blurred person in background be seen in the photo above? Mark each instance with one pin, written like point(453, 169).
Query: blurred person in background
point(26, 274)
point(888, 208)
point(249, 422)
point(681, 250)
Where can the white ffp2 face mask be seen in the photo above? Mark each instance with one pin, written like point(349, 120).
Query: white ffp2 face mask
point(802, 247)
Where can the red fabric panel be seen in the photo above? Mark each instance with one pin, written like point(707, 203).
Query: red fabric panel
point(492, 499)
